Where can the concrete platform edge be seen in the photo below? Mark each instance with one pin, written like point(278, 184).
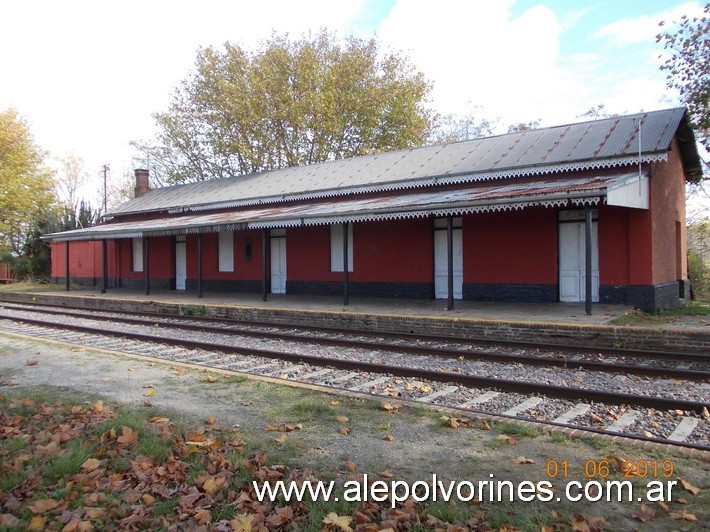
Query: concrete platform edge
point(652, 339)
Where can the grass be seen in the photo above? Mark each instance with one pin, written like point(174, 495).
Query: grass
point(697, 308)
point(518, 430)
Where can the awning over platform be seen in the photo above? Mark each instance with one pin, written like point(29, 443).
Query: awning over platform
point(628, 189)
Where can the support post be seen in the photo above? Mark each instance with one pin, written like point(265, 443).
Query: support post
point(146, 263)
point(450, 261)
point(199, 265)
point(264, 266)
point(588, 259)
point(104, 265)
point(66, 267)
point(346, 288)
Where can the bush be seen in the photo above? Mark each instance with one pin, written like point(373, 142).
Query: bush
point(699, 274)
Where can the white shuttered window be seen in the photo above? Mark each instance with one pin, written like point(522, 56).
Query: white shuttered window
point(336, 247)
point(226, 251)
point(137, 254)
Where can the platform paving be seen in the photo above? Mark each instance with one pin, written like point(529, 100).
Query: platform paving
point(567, 313)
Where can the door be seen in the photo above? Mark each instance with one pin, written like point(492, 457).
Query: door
point(572, 262)
point(278, 264)
point(180, 265)
point(441, 263)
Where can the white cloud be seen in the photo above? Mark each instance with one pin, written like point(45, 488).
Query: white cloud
point(479, 55)
point(644, 29)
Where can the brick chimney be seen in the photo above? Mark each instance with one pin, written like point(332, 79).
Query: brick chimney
point(142, 182)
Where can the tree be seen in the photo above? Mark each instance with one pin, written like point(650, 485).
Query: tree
point(288, 103)
point(688, 67)
point(26, 184)
point(70, 178)
point(454, 128)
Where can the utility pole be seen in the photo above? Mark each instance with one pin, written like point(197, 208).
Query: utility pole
point(105, 169)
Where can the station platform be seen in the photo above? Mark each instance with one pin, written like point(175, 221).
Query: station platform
point(552, 324)
point(563, 313)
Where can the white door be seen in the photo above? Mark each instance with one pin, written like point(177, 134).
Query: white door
point(441, 263)
point(180, 265)
point(572, 262)
point(278, 265)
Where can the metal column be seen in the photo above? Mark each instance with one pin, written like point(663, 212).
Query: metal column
point(346, 291)
point(104, 265)
point(264, 242)
point(146, 263)
point(66, 267)
point(450, 259)
point(588, 259)
point(199, 265)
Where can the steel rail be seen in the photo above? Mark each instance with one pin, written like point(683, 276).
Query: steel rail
point(560, 392)
point(566, 363)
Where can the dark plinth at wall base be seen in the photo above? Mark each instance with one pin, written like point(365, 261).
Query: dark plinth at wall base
point(524, 293)
point(648, 298)
point(335, 288)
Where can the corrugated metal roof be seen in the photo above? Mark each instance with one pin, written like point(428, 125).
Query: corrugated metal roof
point(547, 191)
point(598, 144)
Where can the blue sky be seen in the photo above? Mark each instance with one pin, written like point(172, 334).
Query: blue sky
point(87, 75)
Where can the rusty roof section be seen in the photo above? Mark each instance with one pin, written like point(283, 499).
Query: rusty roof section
point(605, 143)
point(481, 197)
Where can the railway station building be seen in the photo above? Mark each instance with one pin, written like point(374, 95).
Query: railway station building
point(585, 212)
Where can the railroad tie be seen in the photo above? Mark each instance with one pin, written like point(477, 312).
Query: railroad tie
point(578, 410)
point(624, 421)
point(315, 374)
point(522, 407)
point(684, 429)
point(445, 391)
point(293, 368)
point(480, 399)
point(262, 367)
point(370, 384)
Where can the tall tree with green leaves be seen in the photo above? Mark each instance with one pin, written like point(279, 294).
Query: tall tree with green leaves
point(287, 103)
point(688, 67)
point(26, 184)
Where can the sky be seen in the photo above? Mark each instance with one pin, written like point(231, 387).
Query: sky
point(87, 75)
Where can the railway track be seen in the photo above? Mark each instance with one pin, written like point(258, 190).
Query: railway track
point(464, 375)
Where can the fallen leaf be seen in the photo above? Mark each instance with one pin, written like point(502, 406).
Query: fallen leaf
point(43, 505)
point(37, 523)
point(644, 514)
point(508, 439)
point(147, 404)
point(391, 408)
point(335, 521)
point(522, 460)
point(148, 499)
point(352, 466)
point(210, 378)
point(159, 420)
point(689, 487)
point(31, 363)
point(595, 419)
point(211, 420)
point(386, 474)
point(622, 465)
point(682, 516)
point(211, 487)
point(128, 437)
point(485, 425)
point(334, 403)
point(150, 393)
point(342, 419)
point(345, 431)
point(282, 438)
point(388, 437)
point(91, 464)
point(180, 371)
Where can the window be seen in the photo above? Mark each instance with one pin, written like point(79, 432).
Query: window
point(226, 251)
point(137, 254)
point(336, 247)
